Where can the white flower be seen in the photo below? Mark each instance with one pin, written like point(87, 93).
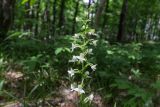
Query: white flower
point(71, 72)
point(89, 51)
point(78, 58)
point(95, 42)
point(73, 86)
point(81, 57)
point(74, 59)
point(93, 67)
point(90, 33)
point(78, 89)
point(74, 46)
point(89, 98)
point(76, 36)
point(87, 73)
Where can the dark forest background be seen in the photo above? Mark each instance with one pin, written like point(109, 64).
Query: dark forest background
point(38, 39)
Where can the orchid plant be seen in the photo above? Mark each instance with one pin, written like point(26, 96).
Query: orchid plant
point(81, 66)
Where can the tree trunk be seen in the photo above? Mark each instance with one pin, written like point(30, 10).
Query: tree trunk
point(47, 17)
point(89, 5)
point(105, 14)
point(37, 17)
point(122, 21)
point(61, 15)
point(99, 13)
point(6, 16)
point(75, 15)
point(54, 17)
point(28, 24)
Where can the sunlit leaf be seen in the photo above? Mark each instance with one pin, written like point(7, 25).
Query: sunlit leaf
point(58, 50)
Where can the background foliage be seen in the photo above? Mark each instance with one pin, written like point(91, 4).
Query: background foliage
point(36, 44)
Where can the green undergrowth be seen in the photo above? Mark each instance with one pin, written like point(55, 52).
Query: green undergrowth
point(127, 75)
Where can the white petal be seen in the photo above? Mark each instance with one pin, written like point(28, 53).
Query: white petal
point(74, 59)
point(90, 97)
point(78, 89)
point(71, 72)
point(87, 73)
point(94, 42)
point(93, 67)
point(74, 46)
point(76, 36)
point(89, 51)
point(81, 57)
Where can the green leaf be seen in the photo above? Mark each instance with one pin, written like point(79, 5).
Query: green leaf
point(34, 89)
point(132, 57)
point(58, 51)
point(32, 2)
point(115, 104)
point(67, 49)
point(1, 85)
point(122, 84)
point(156, 85)
point(24, 1)
point(110, 52)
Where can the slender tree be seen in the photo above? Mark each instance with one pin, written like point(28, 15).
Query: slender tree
point(75, 15)
point(122, 21)
point(37, 16)
point(89, 5)
point(99, 13)
point(6, 16)
point(27, 25)
point(61, 14)
point(47, 17)
point(54, 17)
point(105, 14)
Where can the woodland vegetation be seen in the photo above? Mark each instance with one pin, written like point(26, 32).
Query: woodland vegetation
point(80, 53)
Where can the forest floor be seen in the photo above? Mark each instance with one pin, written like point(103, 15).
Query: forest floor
point(62, 96)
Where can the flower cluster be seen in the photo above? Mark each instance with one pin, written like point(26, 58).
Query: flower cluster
point(80, 64)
